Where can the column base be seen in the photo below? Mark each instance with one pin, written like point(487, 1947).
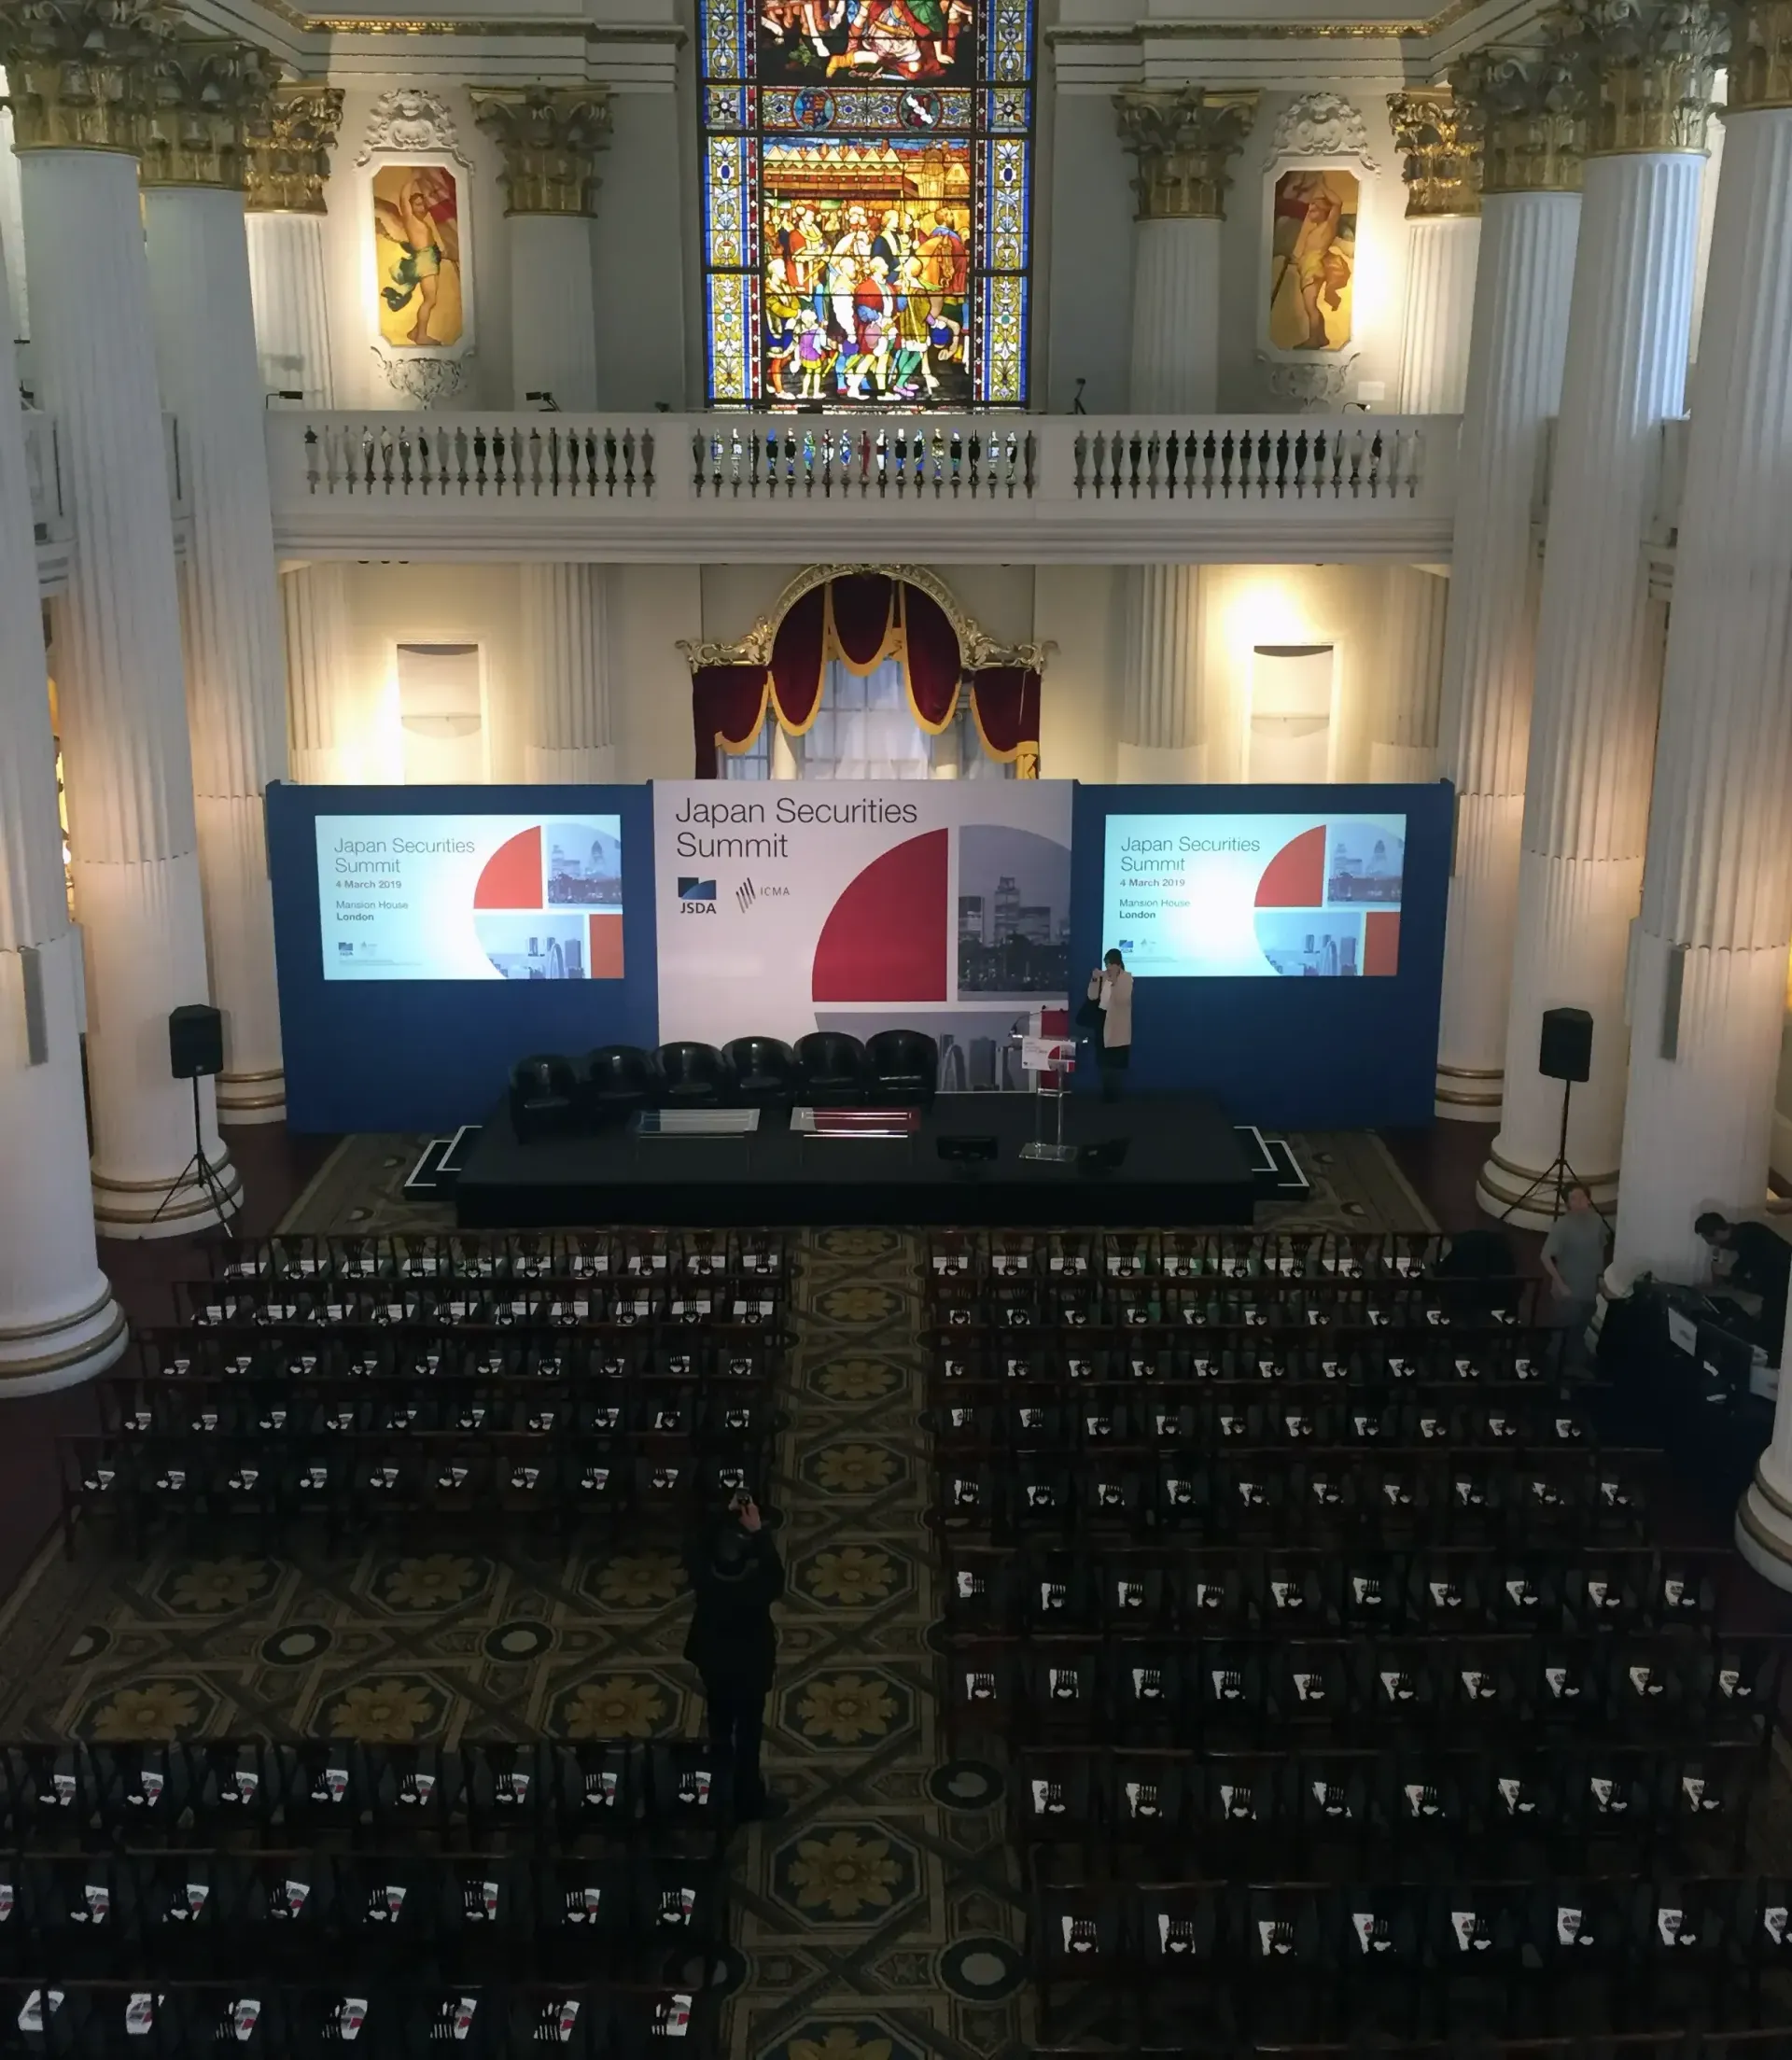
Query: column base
point(149, 1208)
point(1470, 1094)
point(1403, 764)
point(62, 1352)
point(1502, 1183)
point(252, 1097)
point(1764, 1531)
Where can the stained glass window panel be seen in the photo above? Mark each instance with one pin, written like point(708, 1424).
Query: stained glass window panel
point(867, 201)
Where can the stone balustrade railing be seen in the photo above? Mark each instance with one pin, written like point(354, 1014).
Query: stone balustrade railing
point(1040, 488)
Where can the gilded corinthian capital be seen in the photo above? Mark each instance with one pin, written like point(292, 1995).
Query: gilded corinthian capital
point(1531, 108)
point(290, 146)
point(550, 136)
point(1184, 140)
point(210, 91)
point(1760, 58)
point(1651, 65)
point(81, 74)
point(1438, 138)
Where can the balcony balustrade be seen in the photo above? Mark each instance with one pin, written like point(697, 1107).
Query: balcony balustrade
point(1038, 488)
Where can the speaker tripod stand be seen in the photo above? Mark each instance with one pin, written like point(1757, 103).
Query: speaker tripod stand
point(1558, 1170)
point(199, 1170)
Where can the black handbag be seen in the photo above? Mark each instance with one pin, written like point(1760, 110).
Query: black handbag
point(1089, 1016)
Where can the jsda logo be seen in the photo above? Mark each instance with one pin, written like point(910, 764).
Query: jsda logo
point(696, 897)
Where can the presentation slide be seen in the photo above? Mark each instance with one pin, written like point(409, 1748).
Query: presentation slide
point(1229, 897)
point(470, 897)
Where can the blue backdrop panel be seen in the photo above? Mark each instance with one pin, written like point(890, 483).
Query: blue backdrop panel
point(426, 1055)
point(1293, 1053)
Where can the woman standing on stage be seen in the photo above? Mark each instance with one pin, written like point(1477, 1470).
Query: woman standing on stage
point(1111, 989)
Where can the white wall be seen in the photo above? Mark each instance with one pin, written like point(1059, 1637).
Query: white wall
point(645, 217)
point(1076, 610)
point(1089, 304)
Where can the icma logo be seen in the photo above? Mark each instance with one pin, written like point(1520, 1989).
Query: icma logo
point(744, 894)
point(747, 893)
point(695, 890)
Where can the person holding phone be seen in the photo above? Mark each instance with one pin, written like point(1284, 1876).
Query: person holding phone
point(735, 1577)
point(1110, 991)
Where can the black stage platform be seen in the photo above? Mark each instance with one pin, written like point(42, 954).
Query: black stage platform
point(1184, 1165)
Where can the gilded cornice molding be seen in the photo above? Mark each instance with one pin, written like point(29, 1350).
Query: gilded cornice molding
point(1760, 58)
point(290, 150)
point(210, 92)
point(1652, 64)
point(977, 650)
point(1184, 140)
point(1438, 138)
point(81, 73)
point(550, 136)
point(1531, 107)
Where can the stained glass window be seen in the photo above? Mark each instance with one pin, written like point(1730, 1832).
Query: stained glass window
point(867, 201)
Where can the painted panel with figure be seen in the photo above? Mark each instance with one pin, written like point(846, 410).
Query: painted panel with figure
point(1313, 263)
point(867, 205)
point(417, 239)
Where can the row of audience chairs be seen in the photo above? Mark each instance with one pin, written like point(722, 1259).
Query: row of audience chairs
point(339, 1404)
point(274, 1915)
point(490, 1255)
point(537, 1359)
point(1235, 1416)
point(1260, 1953)
point(459, 1307)
point(1267, 1304)
point(1181, 1255)
point(196, 1485)
point(1234, 1358)
point(1130, 1591)
point(1653, 1687)
point(1248, 1814)
point(1395, 1498)
point(224, 1793)
point(70, 2020)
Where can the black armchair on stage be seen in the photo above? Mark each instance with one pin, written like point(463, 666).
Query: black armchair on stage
point(544, 1096)
point(765, 1071)
point(693, 1077)
point(833, 1069)
point(904, 1067)
point(620, 1080)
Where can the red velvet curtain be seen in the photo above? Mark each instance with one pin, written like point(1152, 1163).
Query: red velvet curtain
point(727, 705)
point(860, 603)
point(1004, 700)
point(931, 656)
point(796, 660)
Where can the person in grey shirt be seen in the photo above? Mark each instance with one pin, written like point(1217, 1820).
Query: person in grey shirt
point(1574, 1257)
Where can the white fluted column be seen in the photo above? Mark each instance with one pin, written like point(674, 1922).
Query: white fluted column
point(290, 146)
point(550, 137)
point(1716, 925)
point(553, 310)
point(236, 689)
point(1402, 740)
point(566, 737)
point(1161, 735)
point(285, 254)
point(127, 763)
point(1593, 722)
point(1175, 318)
point(13, 227)
point(1529, 217)
point(1435, 136)
point(59, 1323)
point(1184, 141)
point(1764, 1515)
point(323, 739)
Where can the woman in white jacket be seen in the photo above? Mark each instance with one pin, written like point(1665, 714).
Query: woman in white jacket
point(1110, 986)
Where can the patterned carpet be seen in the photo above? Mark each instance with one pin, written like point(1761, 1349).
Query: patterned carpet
point(878, 1920)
